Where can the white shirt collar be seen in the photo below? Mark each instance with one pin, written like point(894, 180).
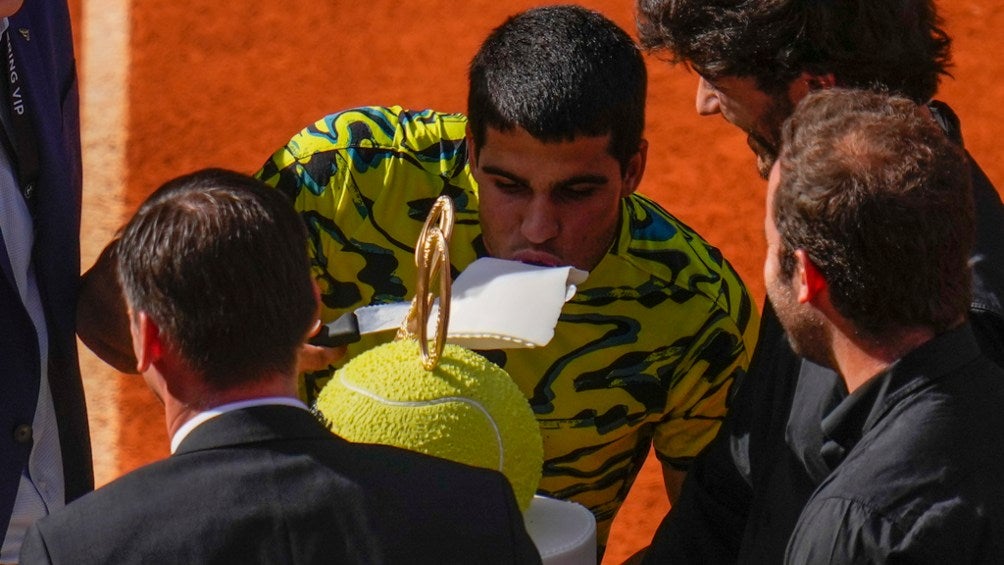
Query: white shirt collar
point(215, 411)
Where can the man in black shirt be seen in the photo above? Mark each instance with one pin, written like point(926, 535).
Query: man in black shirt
point(868, 239)
point(756, 60)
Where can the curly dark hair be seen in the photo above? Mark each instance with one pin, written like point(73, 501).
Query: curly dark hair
point(898, 45)
point(879, 198)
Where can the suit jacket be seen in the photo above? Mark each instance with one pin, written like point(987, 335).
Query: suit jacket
point(42, 41)
point(270, 484)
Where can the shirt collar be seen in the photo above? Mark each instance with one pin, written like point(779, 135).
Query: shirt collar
point(861, 411)
point(203, 417)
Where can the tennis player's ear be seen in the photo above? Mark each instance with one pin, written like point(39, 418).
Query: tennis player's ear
point(635, 169)
point(472, 150)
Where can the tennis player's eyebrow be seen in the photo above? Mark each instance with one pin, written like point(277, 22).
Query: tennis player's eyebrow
point(578, 179)
point(499, 172)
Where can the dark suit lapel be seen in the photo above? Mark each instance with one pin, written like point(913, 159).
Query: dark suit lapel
point(254, 425)
point(5, 263)
point(8, 272)
point(41, 93)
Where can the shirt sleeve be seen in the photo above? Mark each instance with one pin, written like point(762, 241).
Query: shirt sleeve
point(717, 353)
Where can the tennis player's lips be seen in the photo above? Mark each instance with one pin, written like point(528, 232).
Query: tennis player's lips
point(541, 258)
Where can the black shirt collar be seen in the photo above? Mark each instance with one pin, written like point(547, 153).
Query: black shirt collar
point(859, 412)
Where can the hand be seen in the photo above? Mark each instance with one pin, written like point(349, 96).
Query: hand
point(312, 358)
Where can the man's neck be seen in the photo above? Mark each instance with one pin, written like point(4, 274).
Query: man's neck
point(860, 358)
point(177, 410)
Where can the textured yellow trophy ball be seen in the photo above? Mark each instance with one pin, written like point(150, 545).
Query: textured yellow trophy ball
point(466, 409)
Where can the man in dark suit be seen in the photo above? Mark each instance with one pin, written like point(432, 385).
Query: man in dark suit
point(215, 270)
point(45, 454)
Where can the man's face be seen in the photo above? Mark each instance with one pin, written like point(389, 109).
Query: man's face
point(550, 203)
point(744, 105)
point(807, 332)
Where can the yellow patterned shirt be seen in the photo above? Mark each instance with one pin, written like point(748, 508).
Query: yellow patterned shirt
point(642, 355)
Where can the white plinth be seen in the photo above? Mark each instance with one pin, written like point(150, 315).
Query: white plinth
point(564, 532)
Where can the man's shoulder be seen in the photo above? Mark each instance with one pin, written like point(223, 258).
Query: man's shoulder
point(380, 127)
point(925, 483)
point(115, 507)
point(939, 450)
point(663, 241)
point(885, 512)
point(373, 160)
point(845, 529)
point(657, 246)
point(170, 512)
point(314, 474)
point(236, 442)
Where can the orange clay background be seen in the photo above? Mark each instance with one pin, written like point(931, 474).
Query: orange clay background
point(226, 83)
